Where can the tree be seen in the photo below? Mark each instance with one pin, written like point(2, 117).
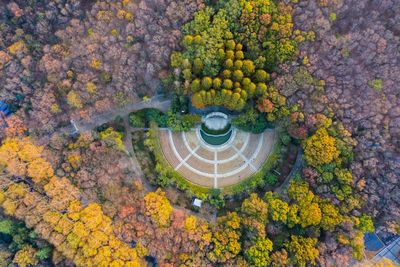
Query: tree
point(344, 176)
point(197, 100)
point(40, 170)
point(237, 75)
point(15, 126)
point(74, 99)
point(248, 67)
point(217, 83)
point(195, 85)
point(136, 120)
point(366, 224)
point(255, 213)
point(261, 76)
point(310, 215)
point(278, 209)
point(279, 258)
point(299, 191)
point(198, 66)
point(112, 138)
point(225, 239)
point(293, 216)
point(158, 207)
point(190, 223)
point(227, 84)
point(302, 250)
point(320, 148)
point(26, 257)
point(265, 105)
point(330, 216)
point(21, 157)
point(259, 254)
point(206, 83)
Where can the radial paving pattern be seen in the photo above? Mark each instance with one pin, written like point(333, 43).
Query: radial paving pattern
point(216, 166)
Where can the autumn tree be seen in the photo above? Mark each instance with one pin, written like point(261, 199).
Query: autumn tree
point(320, 148)
point(278, 209)
point(112, 138)
point(158, 207)
point(310, 215)
point(302, 250)
point(26, 257)
point(259, 253)
point(225, 239)
point(21, 157)
point(366, 224)
point(279, 258)
point(254, 213)
point(330, 216)
point(15, 126)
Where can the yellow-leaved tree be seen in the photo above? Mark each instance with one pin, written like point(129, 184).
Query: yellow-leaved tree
point(320, 148)
point(158, 207)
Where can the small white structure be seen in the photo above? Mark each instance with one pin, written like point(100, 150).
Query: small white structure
point(197, 202)
point(216, 120)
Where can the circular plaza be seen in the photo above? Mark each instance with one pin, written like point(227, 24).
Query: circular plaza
point(217, 159)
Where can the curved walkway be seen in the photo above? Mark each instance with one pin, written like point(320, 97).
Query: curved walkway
point(216, 166)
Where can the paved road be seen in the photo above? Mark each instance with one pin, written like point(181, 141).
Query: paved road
point(159, 102)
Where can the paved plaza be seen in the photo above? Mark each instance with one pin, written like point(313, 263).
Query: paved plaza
point(216, 166)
